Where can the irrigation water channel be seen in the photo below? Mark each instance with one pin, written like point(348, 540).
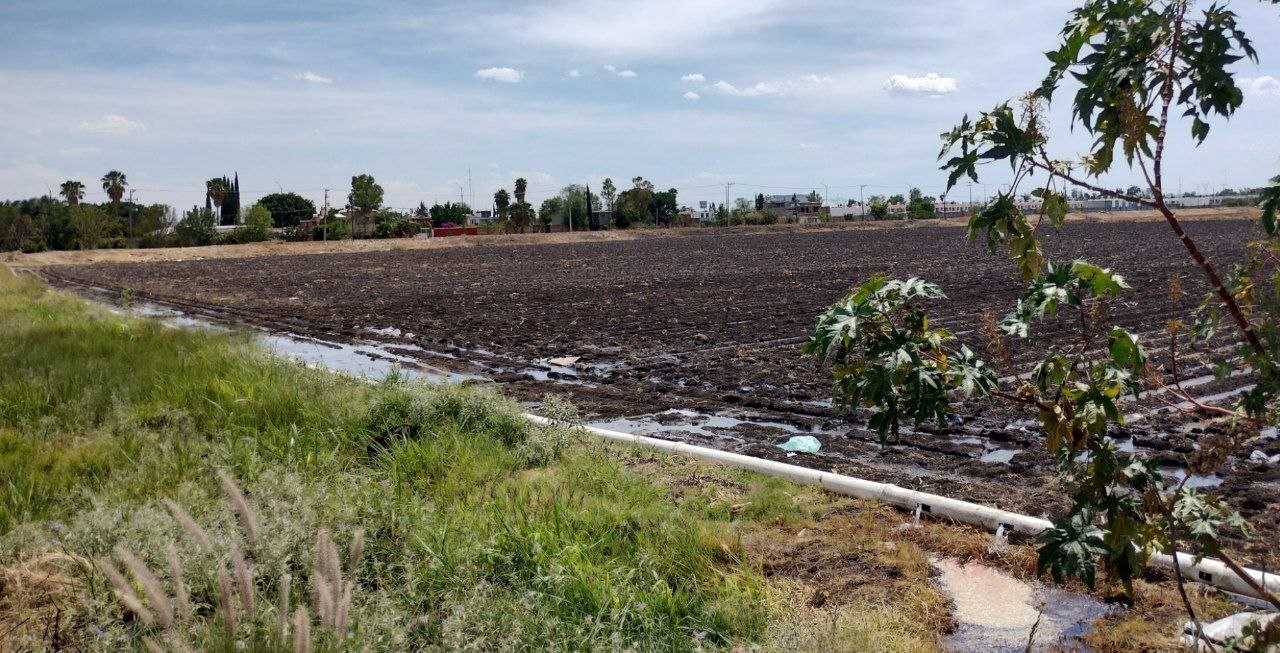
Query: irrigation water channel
point(993, 611)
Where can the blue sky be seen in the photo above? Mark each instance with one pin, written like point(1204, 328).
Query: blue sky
point(774, 96)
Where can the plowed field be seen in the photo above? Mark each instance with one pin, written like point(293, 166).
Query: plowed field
point(712, 323)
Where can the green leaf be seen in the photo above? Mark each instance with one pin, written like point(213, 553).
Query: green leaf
point(1269, 200)
point(1126, 352)
point(1071, 550)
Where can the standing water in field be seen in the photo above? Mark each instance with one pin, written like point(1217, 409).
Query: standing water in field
point(996, 612)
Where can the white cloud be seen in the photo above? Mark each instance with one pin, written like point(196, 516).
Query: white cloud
point(400, 187)
point(693, 77)
point(574, 73)
point(507, 75)
point(691, 96)
point(613, 70)
point(800, 85)
point(112, 123)
point(810, 146)
point(313, 78)
point(79, 151)
point(654, 28)
point(729, 89)
point(930, 84)
point(1264, 86)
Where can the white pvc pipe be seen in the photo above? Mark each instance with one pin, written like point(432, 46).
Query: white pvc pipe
point(1209, 570)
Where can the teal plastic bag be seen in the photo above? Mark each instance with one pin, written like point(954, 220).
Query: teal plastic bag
point(801, 444)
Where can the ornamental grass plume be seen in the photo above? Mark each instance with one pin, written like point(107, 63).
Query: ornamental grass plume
point(282, 608)
point(188, 524)
point(301, 631)
point(156, 596)
point(124, 591)
point(240, 505)
point(226, 600)
point(181, 595)
point(244, 582)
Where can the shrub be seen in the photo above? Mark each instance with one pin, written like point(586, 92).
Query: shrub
point(34, 244)
point(196, 228)
point(331, 230)
point(396, 228)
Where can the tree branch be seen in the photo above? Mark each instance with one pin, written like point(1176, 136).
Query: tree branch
point(1047, 166)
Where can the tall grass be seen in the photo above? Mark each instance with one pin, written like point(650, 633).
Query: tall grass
point(479, 530)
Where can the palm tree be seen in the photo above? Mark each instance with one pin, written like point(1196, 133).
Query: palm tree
point(73, 191)
point(113, 184)
point(216, 189)
point(521, 187)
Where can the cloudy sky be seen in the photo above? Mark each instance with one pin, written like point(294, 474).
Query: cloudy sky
point(774, 96)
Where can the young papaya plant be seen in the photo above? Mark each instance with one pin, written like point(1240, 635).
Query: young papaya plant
point(1134, 63)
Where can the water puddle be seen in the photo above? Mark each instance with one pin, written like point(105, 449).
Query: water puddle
point(708, 425)
point(368, 359)
point(1002, 456)
point(996, 612)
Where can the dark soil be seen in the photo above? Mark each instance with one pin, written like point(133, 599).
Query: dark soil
point(713, 322)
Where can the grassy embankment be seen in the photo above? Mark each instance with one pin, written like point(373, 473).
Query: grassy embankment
point(455, 523)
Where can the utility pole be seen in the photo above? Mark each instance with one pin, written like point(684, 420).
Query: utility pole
point(728, 217)
point(826, 197)
point(324, 217)
point(131, 234)
point(862, 199)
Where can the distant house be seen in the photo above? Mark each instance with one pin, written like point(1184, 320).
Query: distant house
point(481, 217)
point(690, 216)
point(847, 212)
point(793, 205)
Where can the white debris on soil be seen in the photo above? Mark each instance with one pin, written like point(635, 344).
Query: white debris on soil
point(996, 612)
point(1228, 628)
point(564, 361)
point(1261, 457)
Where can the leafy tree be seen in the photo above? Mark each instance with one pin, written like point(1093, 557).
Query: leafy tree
point(91, 225)
point(365, 195)
point(422, 211)
point(72, 191)
point(1136, 63)
point(196, 228)
point(919, 205)
point(257, 225)
point(664, 207)
point(521, 187)
point(552, 208)
point(609, 192)
point(759, 201)
point(451, 212)
point(578, 200)
point(877, 207)
point(501, 201)
point(113, 184)
point(54, 225)
point(897, 199)
point(364, 199)
point(287, 209)
point(813, 196)
point(634, 205)
point(522, 215)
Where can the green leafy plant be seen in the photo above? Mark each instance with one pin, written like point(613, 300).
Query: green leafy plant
point(1136, 62)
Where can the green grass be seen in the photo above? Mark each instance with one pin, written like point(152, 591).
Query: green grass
point(480, 531)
